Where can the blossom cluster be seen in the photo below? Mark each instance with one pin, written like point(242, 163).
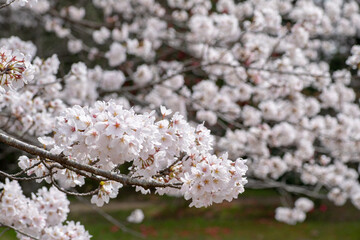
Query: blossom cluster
point(33, 106)
point(136, 216)
point(107, 135)
point(40, 216)
point(213, 179)
point(14, 70)
point(294, 215)
point(36, 105)
point(354, 59)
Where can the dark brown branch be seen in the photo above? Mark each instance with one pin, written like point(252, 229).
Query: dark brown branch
point(66, 162)
point(6, 4)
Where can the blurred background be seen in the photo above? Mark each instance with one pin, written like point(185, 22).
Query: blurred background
point(251, 217)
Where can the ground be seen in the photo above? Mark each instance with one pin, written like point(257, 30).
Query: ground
point(251, 217)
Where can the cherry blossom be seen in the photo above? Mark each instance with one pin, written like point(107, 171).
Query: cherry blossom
point(175, 90)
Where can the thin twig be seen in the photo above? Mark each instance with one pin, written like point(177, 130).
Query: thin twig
point(6, 4)
point(4, 231)
point(257, 184)
point(73, 193)
point(22, 178)
point(111, 219)
point(26, 169)
point(19, 231)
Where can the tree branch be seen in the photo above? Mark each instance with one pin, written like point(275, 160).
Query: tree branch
point(63, 160)
point(6, 4)
point(18, 231)
point(257, 184)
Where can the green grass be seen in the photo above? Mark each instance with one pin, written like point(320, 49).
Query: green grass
point(234, 222)
point(250, 218)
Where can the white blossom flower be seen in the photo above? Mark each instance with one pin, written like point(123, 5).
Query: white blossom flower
point(304, 204)
point(100, 36)
point(136, 216)
point(116, 55)
point(75, 46)
point(15, 70)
